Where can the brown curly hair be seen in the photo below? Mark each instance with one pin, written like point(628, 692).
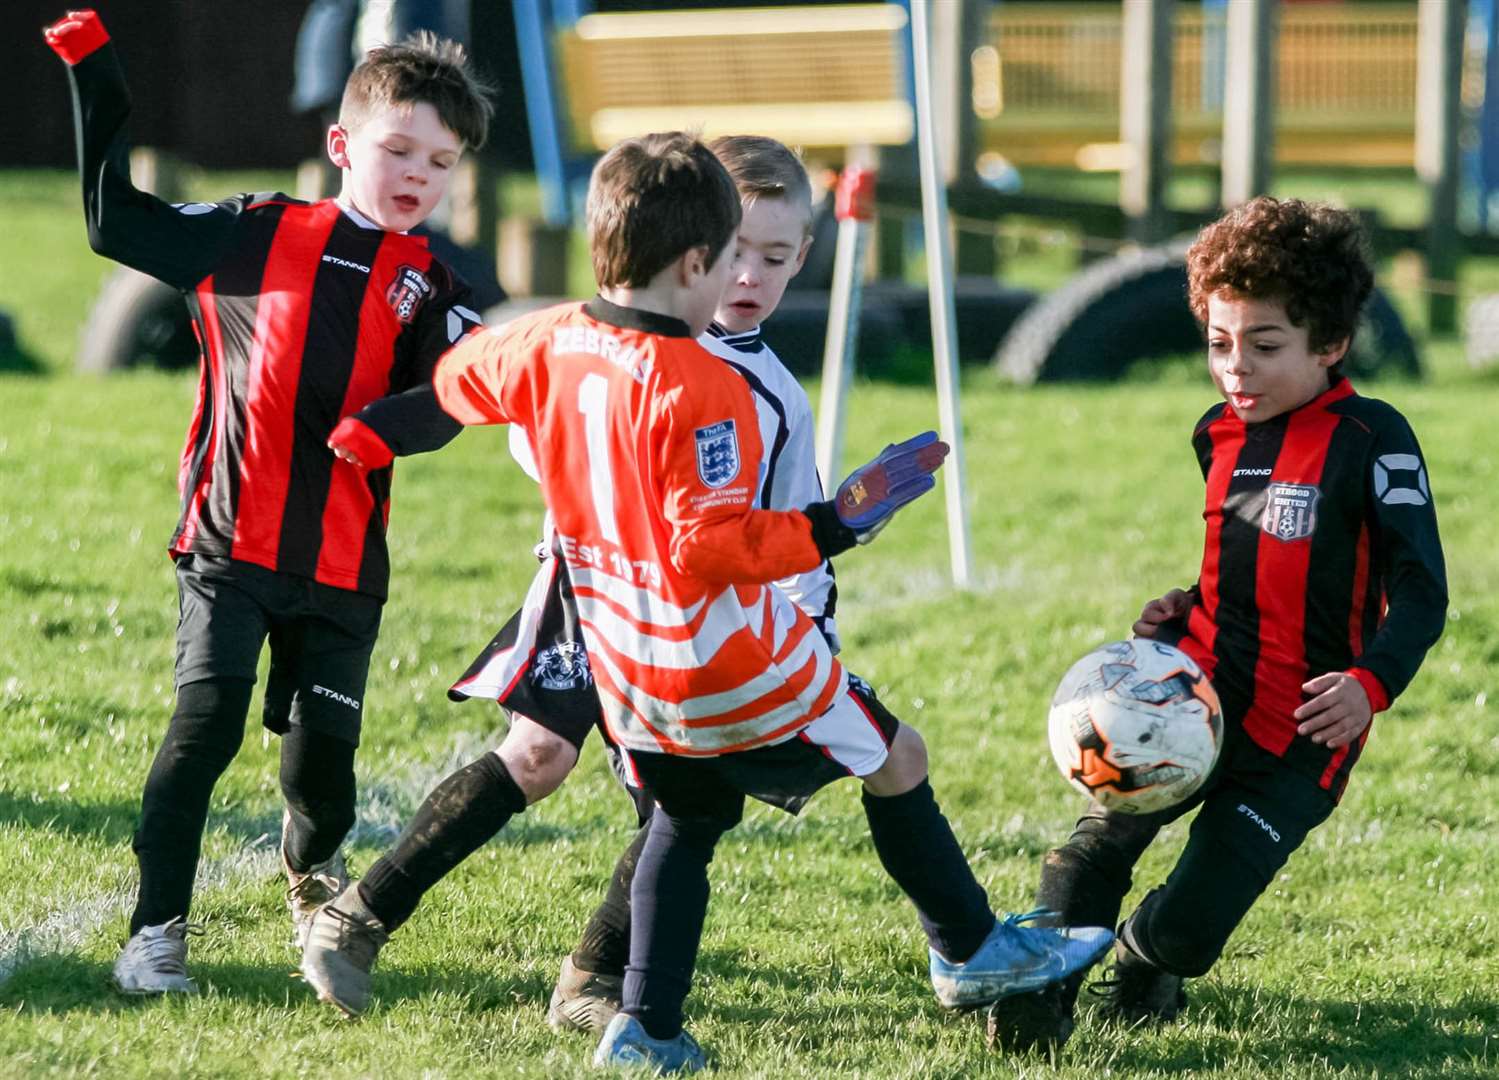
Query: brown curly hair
point(1310, 256)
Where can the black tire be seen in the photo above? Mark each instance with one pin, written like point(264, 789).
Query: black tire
point(137, 321)
point(1133, 306)
point(1110, 314)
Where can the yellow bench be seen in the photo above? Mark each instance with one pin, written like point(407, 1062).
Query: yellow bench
point(809, 76)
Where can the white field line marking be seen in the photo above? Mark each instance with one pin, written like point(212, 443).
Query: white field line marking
point(385, 804)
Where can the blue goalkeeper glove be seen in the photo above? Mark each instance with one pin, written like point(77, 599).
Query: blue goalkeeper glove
point(871, 495)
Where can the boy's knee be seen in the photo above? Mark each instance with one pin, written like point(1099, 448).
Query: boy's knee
point(905, 766)
point(207, 725)
point(1181, 942)
point(537, 759)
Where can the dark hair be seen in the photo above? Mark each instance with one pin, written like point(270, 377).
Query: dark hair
point(1309, 256)
point(650, 200)
point(423, 68)
point(762, 167)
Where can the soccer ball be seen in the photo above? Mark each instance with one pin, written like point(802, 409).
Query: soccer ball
point(1135, 725)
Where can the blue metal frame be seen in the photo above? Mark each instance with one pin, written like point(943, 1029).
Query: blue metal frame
point(536, 24)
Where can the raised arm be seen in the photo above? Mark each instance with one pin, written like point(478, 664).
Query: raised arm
point(178, 245)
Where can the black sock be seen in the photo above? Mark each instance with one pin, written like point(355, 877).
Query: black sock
point(604, 948)
point(317, 781)
point(917, 848)
point(458, 818)
point(202, 738)
point(669, 901)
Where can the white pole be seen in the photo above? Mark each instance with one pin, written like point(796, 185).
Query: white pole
point(854, 200)
point(940, 295)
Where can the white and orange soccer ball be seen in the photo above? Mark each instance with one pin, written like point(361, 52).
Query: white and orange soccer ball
point(1135, 725)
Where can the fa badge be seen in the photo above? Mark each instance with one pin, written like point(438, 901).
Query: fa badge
point(407, 292)
point(717, 453)
point(1290, 511)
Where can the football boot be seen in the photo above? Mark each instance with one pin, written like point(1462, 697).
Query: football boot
point(583, 1000)
point(1015, 959)
point(342, 943)
point(154, 960)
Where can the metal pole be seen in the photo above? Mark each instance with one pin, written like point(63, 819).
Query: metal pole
point(1248, 101)
point(1145, 116)
point(1439, 65)
point(855, 209)
point(939, 294)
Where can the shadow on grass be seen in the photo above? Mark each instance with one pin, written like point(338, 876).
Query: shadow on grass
point(57, 984)
point(113, 822)
point(1223, 1027)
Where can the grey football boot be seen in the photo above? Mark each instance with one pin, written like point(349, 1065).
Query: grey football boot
point(307, 890)
point(584, 1000)
point(154, 960)
point(342, 943)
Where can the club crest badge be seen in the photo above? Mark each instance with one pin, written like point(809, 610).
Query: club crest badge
point(407, 292)
point(563, 666)
point(717, 453)
point(1290, 511)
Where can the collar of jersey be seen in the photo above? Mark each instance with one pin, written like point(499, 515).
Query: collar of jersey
point(628, 318)
point(359, 219)
point(745, 340)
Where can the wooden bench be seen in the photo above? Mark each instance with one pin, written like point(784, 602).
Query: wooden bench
point(813, 77)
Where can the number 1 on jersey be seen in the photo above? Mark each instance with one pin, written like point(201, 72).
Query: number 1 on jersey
point(593, 399)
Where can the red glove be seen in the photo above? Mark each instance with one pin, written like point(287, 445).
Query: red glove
point(75, 35)
point(356, 442)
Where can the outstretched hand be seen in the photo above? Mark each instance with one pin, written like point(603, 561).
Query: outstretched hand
point(75, 35)
point(867, 500)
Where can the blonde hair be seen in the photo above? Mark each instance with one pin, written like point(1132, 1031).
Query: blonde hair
point(764, 168)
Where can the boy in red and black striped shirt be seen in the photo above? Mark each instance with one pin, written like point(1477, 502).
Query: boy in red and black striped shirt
point(304, 314)
point(1321, 589)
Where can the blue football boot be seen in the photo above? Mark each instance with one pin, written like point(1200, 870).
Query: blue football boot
point(626, 1045)
point(1015, 959)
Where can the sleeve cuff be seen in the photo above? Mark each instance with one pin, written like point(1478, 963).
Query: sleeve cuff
point(76, 36)
point(1379, 697)
point(360, 439)
point(831, 536)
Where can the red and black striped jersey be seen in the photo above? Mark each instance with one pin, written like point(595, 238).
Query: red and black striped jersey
point(1321, 554)
point(304, 314)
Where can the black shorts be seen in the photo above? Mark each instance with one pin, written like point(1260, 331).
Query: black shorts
point(321, 640)
point(537, 665)
point(785, 775)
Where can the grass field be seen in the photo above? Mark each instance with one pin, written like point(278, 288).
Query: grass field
point(1377, 954)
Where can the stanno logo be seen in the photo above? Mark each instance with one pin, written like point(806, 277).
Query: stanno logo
point(1251, 472)
point(346, 264)
point(342, 699)
point(1261, 822)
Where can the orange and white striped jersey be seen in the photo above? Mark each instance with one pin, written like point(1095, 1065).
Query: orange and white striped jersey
point(648, 448)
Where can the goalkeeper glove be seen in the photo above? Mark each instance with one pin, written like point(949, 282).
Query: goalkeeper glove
point(871, 495)
point(75, 35)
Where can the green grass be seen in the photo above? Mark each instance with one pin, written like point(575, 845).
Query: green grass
point(1375, 953)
